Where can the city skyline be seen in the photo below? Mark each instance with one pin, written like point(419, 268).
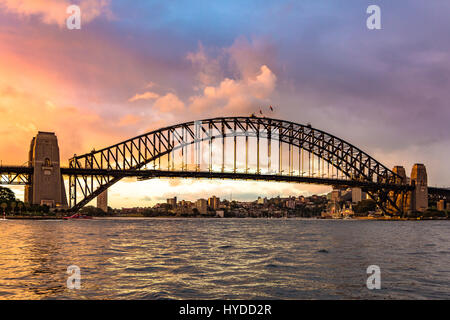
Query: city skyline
point(131, 69)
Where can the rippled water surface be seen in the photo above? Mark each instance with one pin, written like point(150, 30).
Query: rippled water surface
point(224, 259)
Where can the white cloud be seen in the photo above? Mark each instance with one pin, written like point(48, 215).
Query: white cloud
point(236, 96)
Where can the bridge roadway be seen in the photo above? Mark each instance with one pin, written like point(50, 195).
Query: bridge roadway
point(17, 175)
point(149, 174)
point(16, 170)
point(439, 192)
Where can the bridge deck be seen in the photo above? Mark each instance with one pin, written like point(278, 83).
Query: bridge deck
point(16, 170)
point(150, 174)
point(440, 192)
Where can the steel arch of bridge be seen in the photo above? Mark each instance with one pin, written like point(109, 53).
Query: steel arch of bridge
point(136, 153)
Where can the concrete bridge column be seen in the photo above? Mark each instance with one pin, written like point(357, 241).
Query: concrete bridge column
point(402, 199)
point(47, 185)
point(420, 181)
point(102, 201)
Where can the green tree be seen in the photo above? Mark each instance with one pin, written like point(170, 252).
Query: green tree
point(92, 211)
point(44, 209)
point(13, 205)
point(365, 206)
point(4, 205)
point(20, 206)
point(7, 194)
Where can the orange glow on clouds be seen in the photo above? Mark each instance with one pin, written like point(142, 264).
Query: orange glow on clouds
point(91, 92)
point(54, 11)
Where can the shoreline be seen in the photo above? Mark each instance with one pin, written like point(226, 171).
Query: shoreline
point(198, 217)
point(32, 218)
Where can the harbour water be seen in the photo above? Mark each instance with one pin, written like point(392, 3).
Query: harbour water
point(158, 258)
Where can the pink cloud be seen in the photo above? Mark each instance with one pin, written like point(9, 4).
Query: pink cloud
point(169, 103)
point(236, 96)
point(249, 85)
point(144, 96)
point(25, 113)
point(209, 70)
point(128, 120)
point(246, 57)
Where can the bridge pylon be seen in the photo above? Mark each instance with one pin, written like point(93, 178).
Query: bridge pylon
point(419, 180)
point(401, 199)
point(102, 201)
point(47, 185)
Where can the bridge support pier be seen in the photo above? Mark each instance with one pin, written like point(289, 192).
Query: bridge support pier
point(47, 185)
point(102, 201)
point(420, 181)
point(406, 202)
point(401, 200)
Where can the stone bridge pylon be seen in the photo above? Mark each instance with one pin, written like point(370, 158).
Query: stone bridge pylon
point(47, 185)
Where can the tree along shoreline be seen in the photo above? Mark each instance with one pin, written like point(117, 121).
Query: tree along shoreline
point(138, 216)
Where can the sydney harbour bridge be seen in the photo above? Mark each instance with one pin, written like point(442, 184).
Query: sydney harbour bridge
point(239, 148)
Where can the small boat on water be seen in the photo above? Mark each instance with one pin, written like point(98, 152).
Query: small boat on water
point(77, 216)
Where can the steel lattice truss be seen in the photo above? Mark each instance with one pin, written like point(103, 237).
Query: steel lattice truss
point(439, 193)
point(173, 144)
point(15, 175)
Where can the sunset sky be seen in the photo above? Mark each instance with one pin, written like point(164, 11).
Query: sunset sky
point(138, 65)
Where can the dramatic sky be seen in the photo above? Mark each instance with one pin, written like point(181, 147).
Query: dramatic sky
point(138, 65)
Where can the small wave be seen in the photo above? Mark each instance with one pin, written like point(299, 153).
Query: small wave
point(156, 296)
point(174, 260)
point(185, 269)
point(283, 259)
point(259, 251)
point(420, 253)
point(226, 247)
point(281, 267)
point(143, 269)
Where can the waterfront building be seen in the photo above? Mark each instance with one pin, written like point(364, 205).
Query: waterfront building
point(214, 203)
point(262, 200)
point(202, 206)
point(185, 203)
point(358, 195)
point(172, 202)
point(220, 213)
point(290, 203)
point(335, 195)
point(184, 210)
